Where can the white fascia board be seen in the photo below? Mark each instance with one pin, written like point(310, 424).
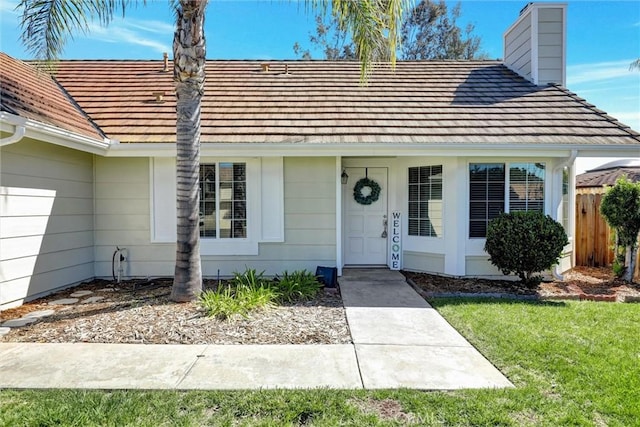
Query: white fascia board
point(143, 149)
point(55, 135)
point(611, 151)
point(252, 150)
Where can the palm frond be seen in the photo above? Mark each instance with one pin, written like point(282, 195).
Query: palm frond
point(374, 26)
point(48, 24)
point(635, 65)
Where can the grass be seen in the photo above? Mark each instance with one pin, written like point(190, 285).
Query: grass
point(573, 363)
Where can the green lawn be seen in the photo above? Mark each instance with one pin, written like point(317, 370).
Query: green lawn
point(573, 363)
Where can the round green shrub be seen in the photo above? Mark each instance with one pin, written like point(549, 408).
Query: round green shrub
point(525, 243)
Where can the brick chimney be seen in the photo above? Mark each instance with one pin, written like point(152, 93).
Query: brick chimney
point(535, 45)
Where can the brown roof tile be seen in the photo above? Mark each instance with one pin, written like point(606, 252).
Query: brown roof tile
point(32, 94)
point(323, 102)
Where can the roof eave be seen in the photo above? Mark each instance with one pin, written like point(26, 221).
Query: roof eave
point(374, 150)
point(53, 134)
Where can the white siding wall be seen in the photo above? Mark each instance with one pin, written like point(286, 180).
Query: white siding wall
point(309, 221)
point(123, 219)
point(425, 262)
point(46, 219)
point(517, 48)
point(551, 46)
point(534, 46)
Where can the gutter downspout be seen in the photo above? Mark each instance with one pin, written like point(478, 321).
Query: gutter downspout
point(17, 136)
point(568, 162)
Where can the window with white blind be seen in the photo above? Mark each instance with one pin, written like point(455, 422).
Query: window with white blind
point(526, 187)
point(488, 195)
point(223, 200)
point(425, 201)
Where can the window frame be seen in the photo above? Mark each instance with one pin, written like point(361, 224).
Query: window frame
point(218, 201)
point(265, 204)
point(419, 201)
point(249, 244)
point(507, 164)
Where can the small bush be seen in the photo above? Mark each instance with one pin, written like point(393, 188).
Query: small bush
point(297, 286)
point(525, 243)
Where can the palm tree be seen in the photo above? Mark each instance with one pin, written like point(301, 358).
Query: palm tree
point(47, 24)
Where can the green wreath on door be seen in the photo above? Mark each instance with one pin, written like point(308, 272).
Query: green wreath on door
point(373, 194)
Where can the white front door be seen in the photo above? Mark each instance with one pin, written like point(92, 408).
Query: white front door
point(365, 241)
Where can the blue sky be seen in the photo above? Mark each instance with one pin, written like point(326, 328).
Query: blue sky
point(603, 38)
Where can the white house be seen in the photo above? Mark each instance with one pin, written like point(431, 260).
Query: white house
point(87, 162)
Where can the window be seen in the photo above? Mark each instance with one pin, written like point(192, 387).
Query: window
point(526, 187)
point(486, 193)
point(223, 201)
point(487, 196)
point(425, 201)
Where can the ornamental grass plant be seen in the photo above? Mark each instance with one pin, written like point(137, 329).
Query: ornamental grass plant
point(250, 290)
point(299, 285)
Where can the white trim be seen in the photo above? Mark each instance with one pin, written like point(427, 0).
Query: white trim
point(456, 213)
point(339, 224)
point(248, 245)
point(448, 149)
point(162, 200)
point(524, 12)
point(163, 218)
point(564, 46)
point(474, 246)
point(271, 199)
point(55, 135)
point(535, 75)
point(424, 244)
point(392, 202)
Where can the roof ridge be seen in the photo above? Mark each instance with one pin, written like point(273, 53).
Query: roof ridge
point(594, 109)
point(78, 107)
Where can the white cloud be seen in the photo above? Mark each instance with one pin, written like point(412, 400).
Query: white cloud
point(629, 118)
point(155, 27)
point(599, 71)
point(151, 34)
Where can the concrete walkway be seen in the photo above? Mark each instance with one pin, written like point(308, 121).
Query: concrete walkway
point(399, 341)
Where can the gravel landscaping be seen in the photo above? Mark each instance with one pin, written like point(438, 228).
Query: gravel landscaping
point(138, 311)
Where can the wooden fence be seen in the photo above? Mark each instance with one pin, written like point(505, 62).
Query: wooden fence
point(593, 237)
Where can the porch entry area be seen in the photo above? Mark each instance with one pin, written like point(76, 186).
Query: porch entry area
point(365, 226)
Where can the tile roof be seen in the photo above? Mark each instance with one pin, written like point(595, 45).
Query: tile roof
point(32, 94)
point(601, 178)
point(323, 102)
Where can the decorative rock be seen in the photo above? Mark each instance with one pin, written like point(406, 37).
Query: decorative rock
point(108, 290)
point(92, 300)
point(79, 294)
point(39, 314)
point(17, 323)
point(4, 330)
point(64, 301)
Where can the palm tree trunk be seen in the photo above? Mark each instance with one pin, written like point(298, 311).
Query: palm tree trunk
point(189, 76)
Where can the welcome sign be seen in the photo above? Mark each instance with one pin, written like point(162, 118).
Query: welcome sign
point(396, 241)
